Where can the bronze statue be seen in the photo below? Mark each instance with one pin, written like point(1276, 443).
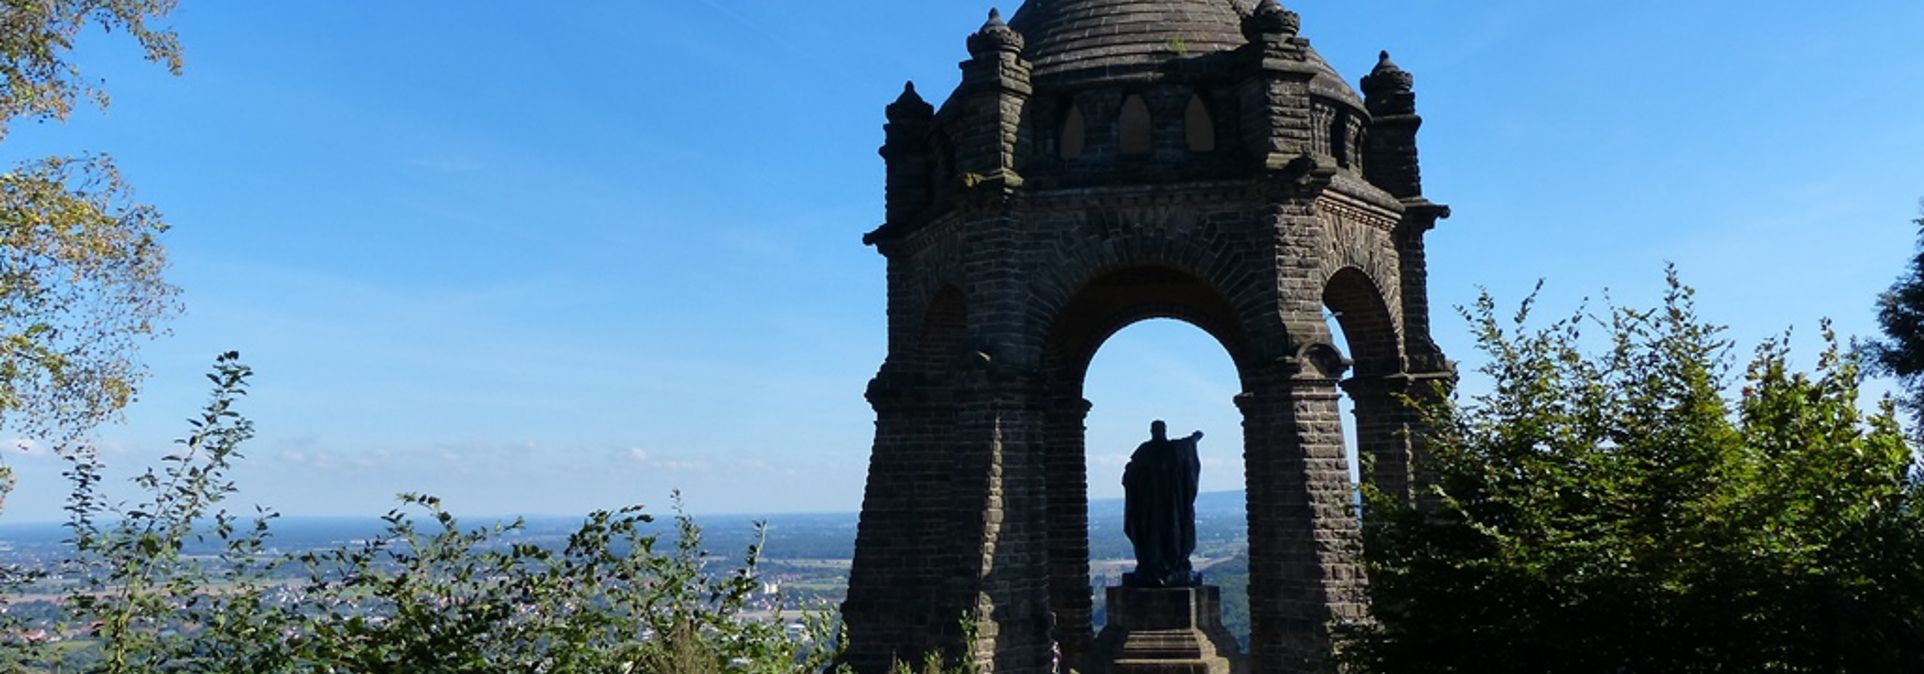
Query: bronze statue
point(1159, 509)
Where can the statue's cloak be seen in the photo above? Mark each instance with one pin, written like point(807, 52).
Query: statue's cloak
point(1159, 508)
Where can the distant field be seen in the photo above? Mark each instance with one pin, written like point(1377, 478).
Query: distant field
point(808, 556)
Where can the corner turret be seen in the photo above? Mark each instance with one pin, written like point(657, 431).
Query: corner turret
point(907, 153)
point(986, 110)
point(1391, 164)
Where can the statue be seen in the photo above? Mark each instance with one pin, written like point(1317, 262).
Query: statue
point(1159, 509)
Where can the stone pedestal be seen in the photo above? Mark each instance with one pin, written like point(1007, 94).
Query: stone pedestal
point(1165, 631)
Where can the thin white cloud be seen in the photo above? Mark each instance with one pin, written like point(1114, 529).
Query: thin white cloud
point(447, 165)
point(641, 456)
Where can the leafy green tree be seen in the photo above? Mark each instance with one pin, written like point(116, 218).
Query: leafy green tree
point(1900, 312)
point(1615, 512)
point(80, 266)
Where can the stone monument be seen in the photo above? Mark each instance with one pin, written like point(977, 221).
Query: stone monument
point(1103, 162)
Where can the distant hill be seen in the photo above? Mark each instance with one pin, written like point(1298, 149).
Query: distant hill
point(1220, 531)
point(1220, 525)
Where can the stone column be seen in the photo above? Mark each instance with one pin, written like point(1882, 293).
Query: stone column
point(1382, 432)
point(1066, 466)
point(1305, 578)
point(892, 583)
point(994, 571)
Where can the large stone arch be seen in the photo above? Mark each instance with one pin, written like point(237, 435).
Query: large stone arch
point(1112, 298)
point(1150, 260)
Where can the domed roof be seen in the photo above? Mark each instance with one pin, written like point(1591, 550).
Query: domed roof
point(1128, 39)
point(1082, 34)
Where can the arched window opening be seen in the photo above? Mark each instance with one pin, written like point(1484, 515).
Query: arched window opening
point(944, 330)
point(943, 175)
point(1199, 126)
point(1074, 134)
point(1339, 138)
point(1026, 134)
point(1138, 130)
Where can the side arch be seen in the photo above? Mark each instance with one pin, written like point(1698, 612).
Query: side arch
point(1377, 387)
point(1359, 306)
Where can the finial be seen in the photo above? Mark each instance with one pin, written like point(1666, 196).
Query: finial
point(1271, 19)
point(995, 37)
point(1387, 78)
point(910, 104)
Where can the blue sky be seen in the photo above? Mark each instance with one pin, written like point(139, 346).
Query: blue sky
point(543, 261)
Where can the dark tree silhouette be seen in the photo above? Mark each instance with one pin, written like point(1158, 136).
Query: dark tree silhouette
point(1900, 311)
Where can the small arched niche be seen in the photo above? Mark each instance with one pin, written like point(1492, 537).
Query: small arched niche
point(1072, 135)
point(1339, 138)
point(944, 329)
point(1199, 127)
point(1137, 127)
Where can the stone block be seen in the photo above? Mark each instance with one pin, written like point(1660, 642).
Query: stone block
point(1165, 631)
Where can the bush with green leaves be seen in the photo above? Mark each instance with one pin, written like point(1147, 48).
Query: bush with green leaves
point(427, 595)
point(1632, 511)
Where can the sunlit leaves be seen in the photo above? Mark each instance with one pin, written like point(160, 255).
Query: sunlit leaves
point(80, 269)
point(80, 286)
point(1640, 509)
point(38, 79)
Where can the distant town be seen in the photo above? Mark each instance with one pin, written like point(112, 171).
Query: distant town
point(804, 567)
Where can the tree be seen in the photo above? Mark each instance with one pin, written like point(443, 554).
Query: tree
point(1900, 312)
point(37, 78)
point(80, 265)
point(1615, 512)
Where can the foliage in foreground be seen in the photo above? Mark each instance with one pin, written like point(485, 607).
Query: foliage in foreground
point(1613, 512)
point(426, 596)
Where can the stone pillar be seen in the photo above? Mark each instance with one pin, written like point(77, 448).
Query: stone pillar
point(1305, 578)
point(1390, 428)
point(1068, 495)
point(1382, 432)
point(893, 581)
point(994, 572)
